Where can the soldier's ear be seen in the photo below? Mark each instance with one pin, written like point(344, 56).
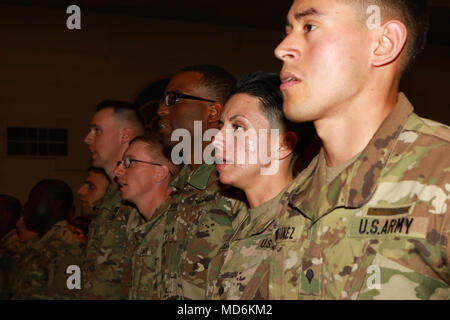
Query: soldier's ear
point(287, 142)
point(162, 173)
point(214, 111)
point(126, 135)
point(389, 42)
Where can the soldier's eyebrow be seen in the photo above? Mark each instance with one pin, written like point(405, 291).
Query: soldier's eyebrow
point(237, 115)
point(298, 16)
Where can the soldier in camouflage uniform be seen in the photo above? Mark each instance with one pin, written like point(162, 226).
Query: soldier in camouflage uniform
point(93, 189)
point(41, 270)
point(233, 273)
point(102, 267)
point(11, 247)
point(369, 218)
point(114, 125)
point(198, 218)
point(144, 176)
point(198, 222)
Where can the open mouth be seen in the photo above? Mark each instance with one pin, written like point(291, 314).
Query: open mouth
point(288, 80)
point(121, 185)
point(92, 152)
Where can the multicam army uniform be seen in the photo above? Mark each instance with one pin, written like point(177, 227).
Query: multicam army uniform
point(143, 254)
point(102, 268)
point(10, 250)
point(41, 273)
point(198, 223)
point(380, 229)
point(241, 264)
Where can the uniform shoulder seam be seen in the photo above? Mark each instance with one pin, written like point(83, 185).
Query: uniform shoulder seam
point(429, 127)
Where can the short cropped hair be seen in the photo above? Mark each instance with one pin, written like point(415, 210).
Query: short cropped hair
point(413, 13)
point(99, 171)
point(157, 150)
point(266, 87)
point(125, 112)
point(52, 191)
point(216, 79)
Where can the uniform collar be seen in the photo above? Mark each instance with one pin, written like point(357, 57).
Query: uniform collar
point(357, 183)
point(197, 178)
point(111, 191)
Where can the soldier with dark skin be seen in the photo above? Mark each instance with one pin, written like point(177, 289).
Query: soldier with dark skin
point(113, 126)
point(41, 272)
point(369, 218)
point(198, 217)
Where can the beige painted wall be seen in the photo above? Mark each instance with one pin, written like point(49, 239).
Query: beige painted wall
point(54, 77)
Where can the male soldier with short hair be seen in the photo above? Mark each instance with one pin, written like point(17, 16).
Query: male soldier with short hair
point(369, 218)
point(198, 216)
point(41, 272)
point(113, 126)
point(144, 176)
point(93, 189)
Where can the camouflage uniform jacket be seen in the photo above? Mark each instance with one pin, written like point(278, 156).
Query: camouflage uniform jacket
point(10, 250)
point(143, 255)
point(42, 270)
point(380, 229)
point(198, 223)
point(102, 268)
point(241, 264)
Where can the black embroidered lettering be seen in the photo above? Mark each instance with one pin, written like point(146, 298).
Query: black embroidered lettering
point(408, 224)
point(392, 225)
point(291, 236)
point(385, 227)
point(374, 228)
point(361, 228)
point(399, 226)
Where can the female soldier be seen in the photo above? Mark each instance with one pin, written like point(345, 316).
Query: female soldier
point(255, 153)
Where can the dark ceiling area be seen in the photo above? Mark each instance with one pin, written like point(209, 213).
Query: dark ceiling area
point(260, 14)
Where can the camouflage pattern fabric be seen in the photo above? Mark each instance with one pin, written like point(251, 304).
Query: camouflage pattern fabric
point(10, 250)
point(41, 273)
point(379, 230)
point(102, 268)
point(143, 250)
point(198, 223)
point(235, 273)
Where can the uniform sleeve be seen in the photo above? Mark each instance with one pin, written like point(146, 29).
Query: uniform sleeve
point(58, 278)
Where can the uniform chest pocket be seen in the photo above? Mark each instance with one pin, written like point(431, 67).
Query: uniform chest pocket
point(242, 272)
